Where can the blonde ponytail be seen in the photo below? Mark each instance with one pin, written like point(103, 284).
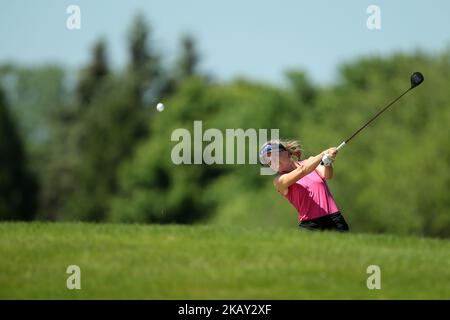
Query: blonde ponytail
point(293, 147)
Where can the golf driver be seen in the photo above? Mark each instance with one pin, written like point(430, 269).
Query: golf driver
point(416, 79)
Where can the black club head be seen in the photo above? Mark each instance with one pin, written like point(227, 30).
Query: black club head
point(416, 79)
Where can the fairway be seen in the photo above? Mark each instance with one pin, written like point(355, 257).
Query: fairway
point(213, 262)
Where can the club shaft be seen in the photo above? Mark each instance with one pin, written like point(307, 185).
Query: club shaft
point(373, 118)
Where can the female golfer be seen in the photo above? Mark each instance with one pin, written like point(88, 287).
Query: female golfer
point(303, 184)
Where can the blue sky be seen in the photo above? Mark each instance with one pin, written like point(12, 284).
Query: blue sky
point(257, 39)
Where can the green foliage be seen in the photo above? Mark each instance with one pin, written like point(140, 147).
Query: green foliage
point(151, 187)
point(91, 77)
point(144, 65)
point(34, 94)
point(18, 187)
point(188, 60)
point(107, 132)
point(39, 102)
point(110, 119)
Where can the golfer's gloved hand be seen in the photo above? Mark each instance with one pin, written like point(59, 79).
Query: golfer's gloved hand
point(327, 160)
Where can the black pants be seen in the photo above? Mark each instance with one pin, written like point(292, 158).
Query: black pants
point(333, 221)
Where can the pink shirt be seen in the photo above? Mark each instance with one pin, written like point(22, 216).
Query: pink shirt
point(311, 197)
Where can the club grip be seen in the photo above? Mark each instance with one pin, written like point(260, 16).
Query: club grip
point(341, 145)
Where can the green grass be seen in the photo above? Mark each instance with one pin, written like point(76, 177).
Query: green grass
point(211, 262)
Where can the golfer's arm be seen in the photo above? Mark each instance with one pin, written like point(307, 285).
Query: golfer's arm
point(308, 166)
point(325, 172)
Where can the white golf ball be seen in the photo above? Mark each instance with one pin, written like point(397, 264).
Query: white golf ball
point(160, 107)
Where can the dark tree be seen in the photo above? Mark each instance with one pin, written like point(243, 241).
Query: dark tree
point(188, 60)
point(18, 187)
point(91, 76)
point(144, 66)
